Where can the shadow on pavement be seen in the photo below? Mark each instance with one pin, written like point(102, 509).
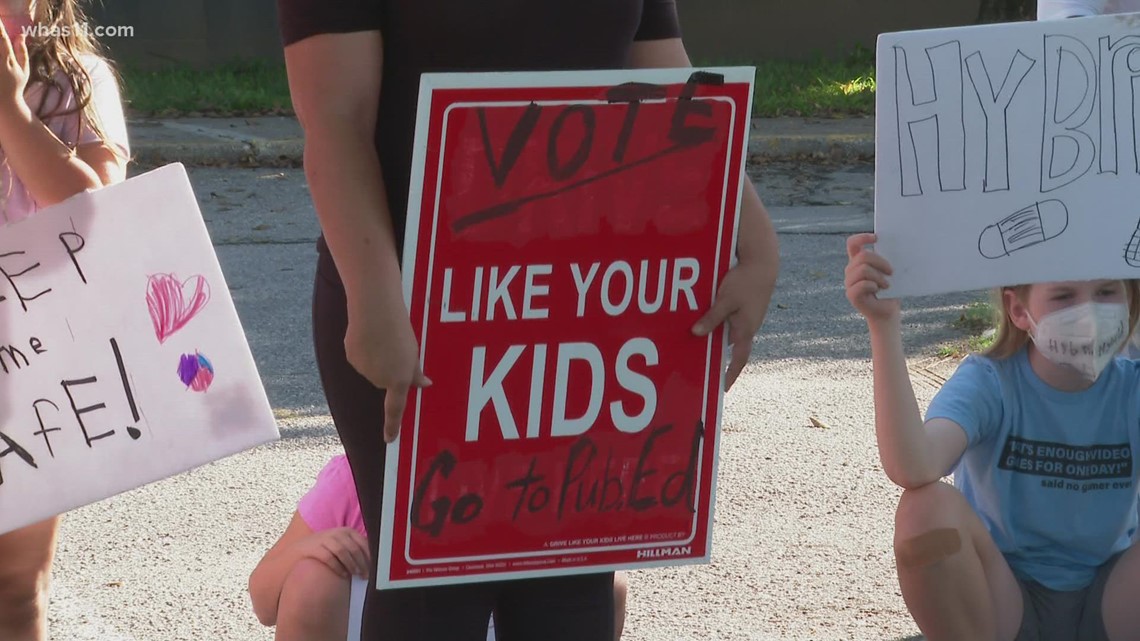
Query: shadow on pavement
point(810, 317)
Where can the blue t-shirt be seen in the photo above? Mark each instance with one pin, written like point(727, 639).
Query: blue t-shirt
point(1052, 474)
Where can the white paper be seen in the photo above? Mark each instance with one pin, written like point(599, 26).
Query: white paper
point(1009, 154)
point(358, 590)
point(122, 359)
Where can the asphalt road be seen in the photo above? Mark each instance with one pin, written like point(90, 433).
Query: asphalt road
point(803, 514)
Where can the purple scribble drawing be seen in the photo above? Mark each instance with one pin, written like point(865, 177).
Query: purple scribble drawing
point(196, 372)
point(173, 303)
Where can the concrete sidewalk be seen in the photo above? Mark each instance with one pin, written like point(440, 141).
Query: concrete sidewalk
point(278, 141)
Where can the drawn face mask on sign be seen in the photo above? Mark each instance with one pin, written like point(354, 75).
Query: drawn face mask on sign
point(1085, 337)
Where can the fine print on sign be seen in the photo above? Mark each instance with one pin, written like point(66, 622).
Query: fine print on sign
point(1008, 154)
point(566, 231)
point(122, 359)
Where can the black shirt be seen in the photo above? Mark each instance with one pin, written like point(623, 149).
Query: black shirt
point(472, 35)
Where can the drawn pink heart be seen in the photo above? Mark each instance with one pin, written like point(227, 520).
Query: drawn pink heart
point(173, 304)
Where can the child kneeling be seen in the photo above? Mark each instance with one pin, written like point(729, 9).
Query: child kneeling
point(1034, 542)
point(304, 583)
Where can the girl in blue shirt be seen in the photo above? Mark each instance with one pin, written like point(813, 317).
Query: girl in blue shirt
point(1033, 541)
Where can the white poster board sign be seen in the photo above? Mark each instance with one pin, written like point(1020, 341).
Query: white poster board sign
point(1009, 154)
point(122, 359)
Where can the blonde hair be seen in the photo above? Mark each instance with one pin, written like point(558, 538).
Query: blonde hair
point(57, 46)
point(1010, 338)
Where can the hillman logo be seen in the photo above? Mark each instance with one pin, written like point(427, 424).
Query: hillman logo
point(659, 553)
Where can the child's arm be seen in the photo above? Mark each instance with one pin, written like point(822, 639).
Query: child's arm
point(50, 170)
point(344, 550)
point(912, 454)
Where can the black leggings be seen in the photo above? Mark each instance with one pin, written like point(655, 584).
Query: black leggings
point(572, 608)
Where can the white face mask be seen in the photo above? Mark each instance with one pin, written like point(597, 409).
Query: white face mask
point(1085, 337)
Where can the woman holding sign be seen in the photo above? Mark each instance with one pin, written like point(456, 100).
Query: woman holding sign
point(61, 132)
point(354, 70)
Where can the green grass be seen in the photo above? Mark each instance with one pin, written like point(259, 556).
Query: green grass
point(976, 320)
point(971, 345)
point(235, 89)
point(820, 88)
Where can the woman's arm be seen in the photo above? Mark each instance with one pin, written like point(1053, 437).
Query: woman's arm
point(334, 81)
point(336, 103)
point(758, 251)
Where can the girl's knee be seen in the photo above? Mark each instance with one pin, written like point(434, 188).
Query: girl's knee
point(313, 597)
point(929, 524)
point(930, 506)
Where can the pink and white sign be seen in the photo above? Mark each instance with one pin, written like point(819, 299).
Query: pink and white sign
point(122, 359)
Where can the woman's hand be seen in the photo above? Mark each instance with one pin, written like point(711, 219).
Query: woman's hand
point(866, 276)
point(739, 303)
point(14, 72)
point(380, 344)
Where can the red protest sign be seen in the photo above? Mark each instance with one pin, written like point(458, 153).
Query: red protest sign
point(566, 230)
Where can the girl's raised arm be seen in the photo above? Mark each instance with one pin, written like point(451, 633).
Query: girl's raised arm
point(50, 170)
point(912, 454)
point(106, 149)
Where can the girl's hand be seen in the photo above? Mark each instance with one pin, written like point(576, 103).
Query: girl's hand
point(739, 304)
point(343, 550)
point(866, 276)
point(381, 345)
point(14, 70)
